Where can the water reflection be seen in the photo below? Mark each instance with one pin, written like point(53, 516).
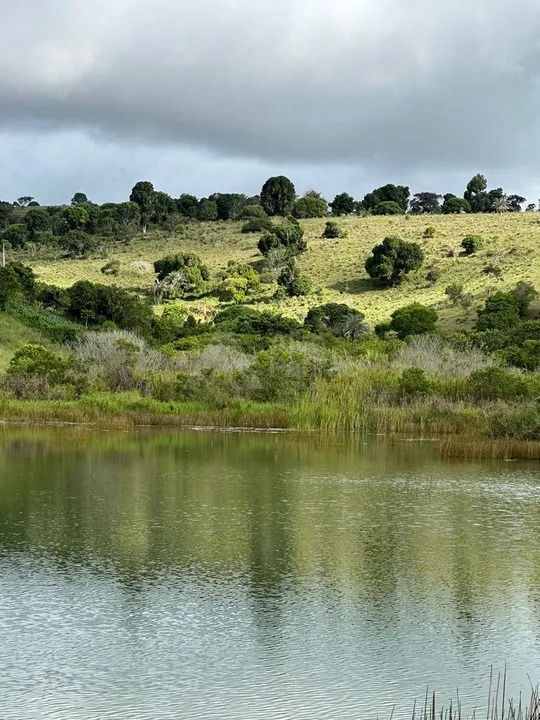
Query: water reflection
point(195, 575)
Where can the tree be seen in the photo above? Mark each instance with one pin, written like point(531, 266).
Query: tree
point(79, 199)
point(476, 194)
point(229, 205)
point(515, 202)
point(289, 236)
point(6, 211)
point(335, 318)
point(75, 217)
point(208, 210)
point(187, 205)
point(524, 293)
point(143, 194)
point(393, 259)
point(425, 203)
point(387, 193)
point(15, 235)
point(343, 204)
point(501, 312)
point(500, 204)
point(413, 319)
point(278, 195)
point(531, 207)
point(310, 207)
point(37, 221)
point(453, 205)
point(388, 207)
point(24, 201)
point(292, 281)
point(78, 244)
point(31, 359)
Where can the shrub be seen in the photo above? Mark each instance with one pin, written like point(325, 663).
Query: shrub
point(393, 259)
point(472, 244)
point(253, 211)
point(310, 207)
point(496, 383)
point(248, 321)
point(388, 207)
point(524, 293)
point(92, 303)
point(343, 204)
point(501, 312)
point(430, 232)
point(182, 275)
point(332, 230)
point(492, 269)
point(292, 281)
point(31, 359)
point(111, 268)
point(237, 282)
point(454, 293)
point(77, 243)
point(414, 319)
point(282, 374)
point(289, 236)
point(414, 381)
point(335, 318)
point(257, 224)
point(433, 276)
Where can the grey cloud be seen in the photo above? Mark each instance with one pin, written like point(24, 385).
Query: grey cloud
point(414, 89)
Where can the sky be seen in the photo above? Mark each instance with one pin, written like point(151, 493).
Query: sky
point(207, 96)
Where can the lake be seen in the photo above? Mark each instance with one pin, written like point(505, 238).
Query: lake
point(241, 576)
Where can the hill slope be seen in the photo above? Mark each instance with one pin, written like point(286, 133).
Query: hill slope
point(336, 267)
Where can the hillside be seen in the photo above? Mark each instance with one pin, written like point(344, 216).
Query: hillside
point(336, 267)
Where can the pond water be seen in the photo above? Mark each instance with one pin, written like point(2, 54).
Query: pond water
point(240, 576)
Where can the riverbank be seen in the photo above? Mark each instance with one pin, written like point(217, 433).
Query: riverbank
point(494, 430)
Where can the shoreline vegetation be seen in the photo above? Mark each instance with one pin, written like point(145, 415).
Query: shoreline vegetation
point(394, 316)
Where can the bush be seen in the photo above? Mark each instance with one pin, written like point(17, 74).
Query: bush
point(501, 312)
point(414, 319)
point(179, 276)
point(283, 374)
point(393, 259)
point(253, 211)
point(433, 276)
point(414, 381)
point(92, 303)
point(430, 232)
point(289, 236)
point(492, 269)
point(248, 321)
point(496, 384)
point(237, 282)
point(343, 204)
point(472, 244)
point(111, 268)
point(454, 293)
point(310, 207)
point(524, 293)
point(257, 224)
point(388, 207)
point(37, 360)
point(292, 281)
point(77, 243)
point(336, 318)
point(15, 235)
point(332, 230)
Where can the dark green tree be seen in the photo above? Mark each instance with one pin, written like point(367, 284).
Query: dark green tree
point(501, 312)
point(476, 194)
point(278, 195)
point(453, 205)
point(413, 319)
point(79, 199)
point(425, 203)
point(143, 195)
point(187, 205)
point(343, 204)
point(310, 207)
point(387, 193)
point(393, 259)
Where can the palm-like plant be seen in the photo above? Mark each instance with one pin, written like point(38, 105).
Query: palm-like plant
point(500, 205)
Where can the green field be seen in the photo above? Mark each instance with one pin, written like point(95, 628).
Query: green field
point(336, 267)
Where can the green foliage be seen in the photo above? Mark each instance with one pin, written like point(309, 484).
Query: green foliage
point(335, 318)
point(37, 221)
point(143, 195)
point(92, 303)
point(171, 263)
point(257, 224)
point(388, 207)
point(472, 244)
point(393, 259)
point(343, 204)
point(77, 243)
point(288, 235)
point(253, 211)
point(292, 281)
point(16, 280)
point(237, 282)
point(248, 321)
point(111, 268)
point(476, 194)
point(413, 382)
point(208, 211)
point(75, 217)
point(496, 383)
point(501, 312)
point(433, 276)
point(332, 230)
point(55, 327)
point(15, 235)
point(170, 326)
point(79, 199)
point(425, 203)
point(180, 276)
point(187, 205)
point(413, 319)
point(398, 194)
point(454, 293)
point(453, 205)
point(37, 361)
point(310, 207)
point(430, 232)
point(524, 293)
point(277, 196)
point(283, 374)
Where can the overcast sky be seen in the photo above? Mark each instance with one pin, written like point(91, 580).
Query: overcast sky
point(216, 95)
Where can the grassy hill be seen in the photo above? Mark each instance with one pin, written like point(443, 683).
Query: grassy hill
point(336, 267)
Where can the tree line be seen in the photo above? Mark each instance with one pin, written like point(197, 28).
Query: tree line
point(72, 227)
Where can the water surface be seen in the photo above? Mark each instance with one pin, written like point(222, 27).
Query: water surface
point(232, 576)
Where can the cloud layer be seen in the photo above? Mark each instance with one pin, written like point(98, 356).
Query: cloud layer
point(347, 91)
